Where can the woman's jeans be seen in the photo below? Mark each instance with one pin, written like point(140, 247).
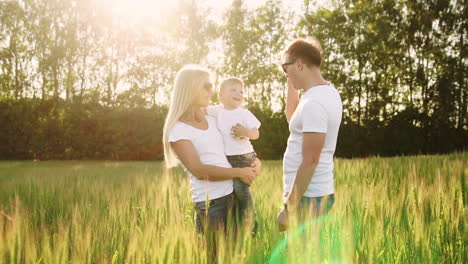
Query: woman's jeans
point(213, 215)
point(212, 218)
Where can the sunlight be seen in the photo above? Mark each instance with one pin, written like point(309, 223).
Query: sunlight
point(137, 10)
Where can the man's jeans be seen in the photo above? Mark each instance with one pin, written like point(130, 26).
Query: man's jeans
point(242, 190)
point(315, 206)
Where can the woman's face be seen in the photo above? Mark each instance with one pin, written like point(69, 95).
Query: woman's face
point(205, 93)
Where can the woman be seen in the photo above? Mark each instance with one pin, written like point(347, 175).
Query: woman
point(194, 139)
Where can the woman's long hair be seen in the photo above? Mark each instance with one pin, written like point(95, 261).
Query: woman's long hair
point(188, 82)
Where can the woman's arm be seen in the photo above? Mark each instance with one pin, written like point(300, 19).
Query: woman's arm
point(189, 157)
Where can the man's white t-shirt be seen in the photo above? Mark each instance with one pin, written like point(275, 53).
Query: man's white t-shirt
point(225, 120)
point(319, 110)
point(209, 146)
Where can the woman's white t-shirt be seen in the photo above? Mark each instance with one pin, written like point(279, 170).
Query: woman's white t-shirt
point(210, 148)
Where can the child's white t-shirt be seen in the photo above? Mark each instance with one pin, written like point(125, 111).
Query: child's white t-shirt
point(225, 120)
point(209, 146)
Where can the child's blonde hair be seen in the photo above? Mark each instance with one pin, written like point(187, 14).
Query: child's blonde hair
point(188, 82)
point(230, 81)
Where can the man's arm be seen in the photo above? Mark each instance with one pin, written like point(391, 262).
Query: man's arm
point(189, 157)
point(292, 100)
point(311, 149)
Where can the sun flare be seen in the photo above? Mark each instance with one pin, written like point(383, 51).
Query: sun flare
point(134, 10)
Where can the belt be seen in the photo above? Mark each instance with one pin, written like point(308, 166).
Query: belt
point(214, 201)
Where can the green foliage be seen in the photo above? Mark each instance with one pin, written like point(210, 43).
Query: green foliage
point(253, 42)
point(49, 129)
point(399, 65)
point(274, 133)
point(55, 129)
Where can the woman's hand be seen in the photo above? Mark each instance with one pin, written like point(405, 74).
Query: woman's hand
point(247, 175)
point(257, 166)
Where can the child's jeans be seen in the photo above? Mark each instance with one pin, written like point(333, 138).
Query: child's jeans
point(241, 189)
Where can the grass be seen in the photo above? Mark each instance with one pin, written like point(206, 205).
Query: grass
point(387, 210)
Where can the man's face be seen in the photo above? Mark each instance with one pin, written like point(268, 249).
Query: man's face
point(289, 66)
point(232, 95)
point(287, 62)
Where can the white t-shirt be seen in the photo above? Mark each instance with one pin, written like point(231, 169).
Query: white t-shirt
point(209, 146)
point(319, 110)
point(225, 120)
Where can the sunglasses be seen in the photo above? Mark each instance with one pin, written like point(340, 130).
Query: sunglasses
point(283, 66)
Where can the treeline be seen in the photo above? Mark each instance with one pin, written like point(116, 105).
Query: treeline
point(77, 82)
point(47, 129)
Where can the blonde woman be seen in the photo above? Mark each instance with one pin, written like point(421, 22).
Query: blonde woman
point(192, 139)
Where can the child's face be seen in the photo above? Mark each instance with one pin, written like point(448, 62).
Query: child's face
point(232, 96)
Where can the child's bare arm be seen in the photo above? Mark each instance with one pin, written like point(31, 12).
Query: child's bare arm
point(241, 131)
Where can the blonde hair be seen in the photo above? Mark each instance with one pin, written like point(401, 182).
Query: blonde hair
point(230, 81)
point(188, 82)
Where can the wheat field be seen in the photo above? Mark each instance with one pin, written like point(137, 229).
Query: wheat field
point(387, 210)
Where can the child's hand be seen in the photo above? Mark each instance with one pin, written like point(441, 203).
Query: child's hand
point(239, 131)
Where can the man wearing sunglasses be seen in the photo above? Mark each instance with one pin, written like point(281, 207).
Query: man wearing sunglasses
point(314, 120)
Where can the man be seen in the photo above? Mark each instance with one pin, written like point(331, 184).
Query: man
point(314, 121)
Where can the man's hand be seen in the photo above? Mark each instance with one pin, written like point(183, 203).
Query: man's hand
point(291, 86)
point(292, 100)
point(283, 220)
point(239, 131)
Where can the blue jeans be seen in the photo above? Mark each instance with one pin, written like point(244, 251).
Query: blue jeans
point(241, 189)
point(211, 218)
point(315, 206)
point(213, 215)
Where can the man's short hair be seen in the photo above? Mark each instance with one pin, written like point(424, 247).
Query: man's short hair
point(230, 81)
point(308, 50)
